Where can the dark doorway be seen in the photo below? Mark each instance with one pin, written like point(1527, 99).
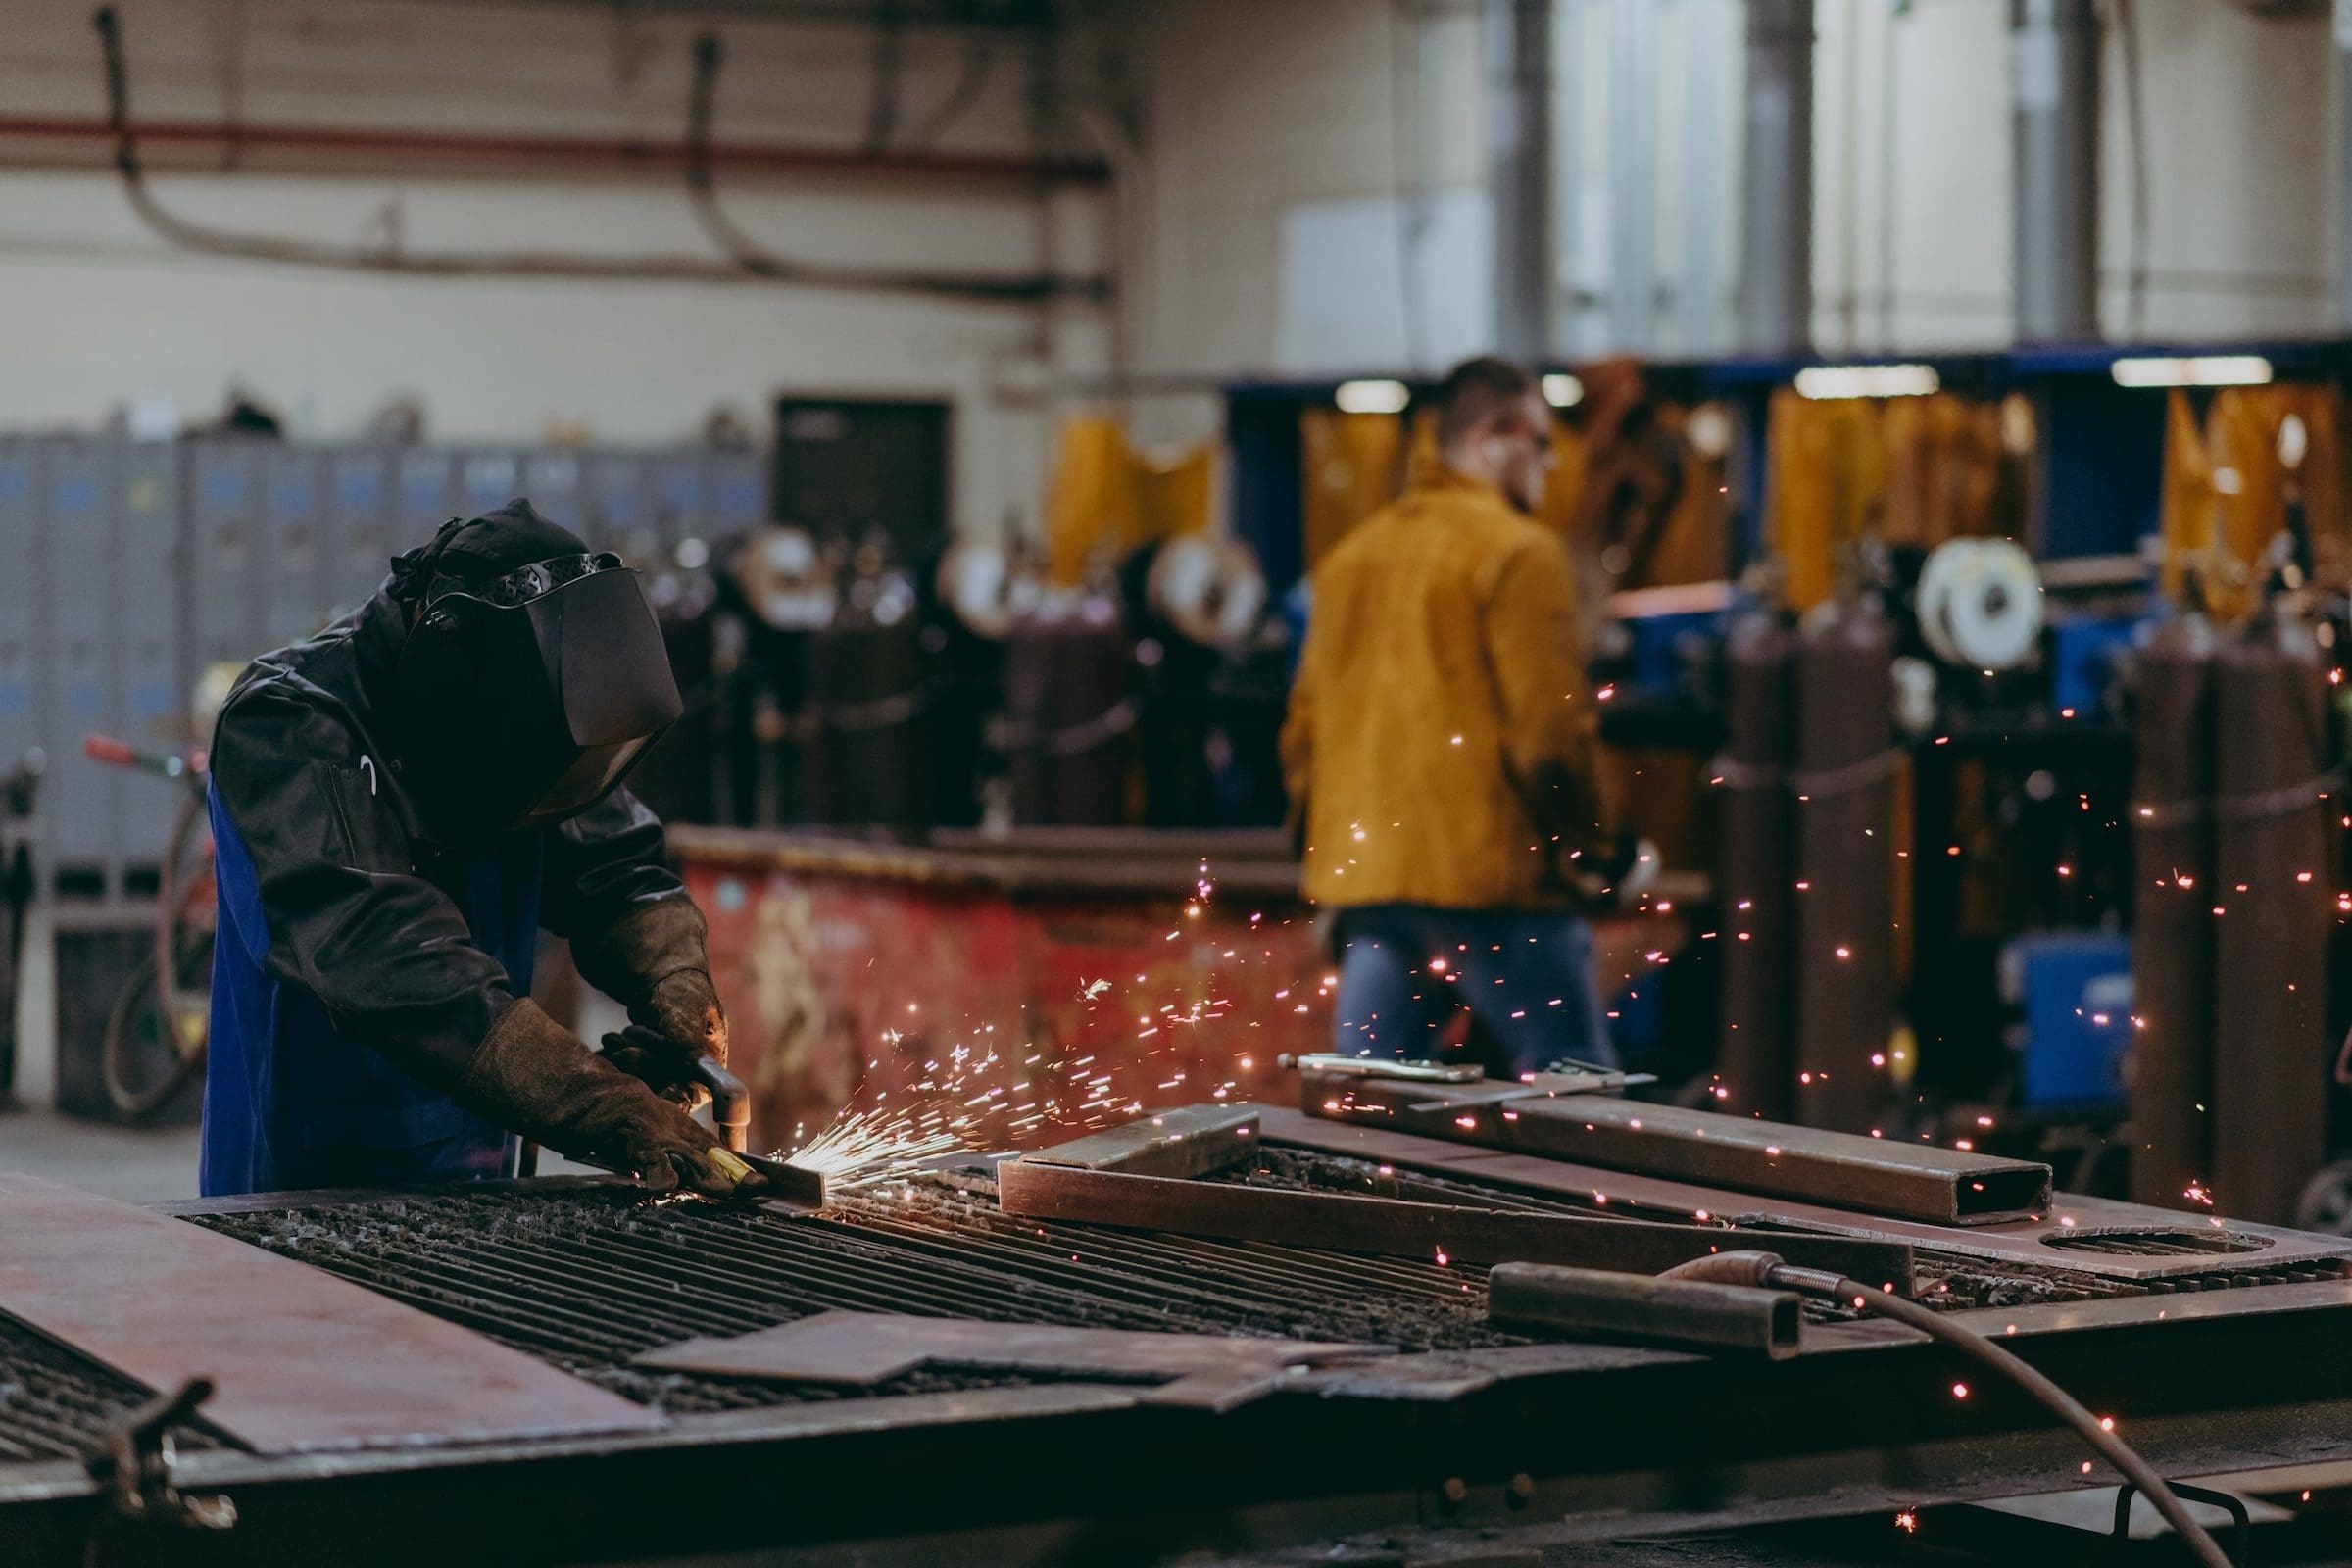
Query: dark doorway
point(848, 468)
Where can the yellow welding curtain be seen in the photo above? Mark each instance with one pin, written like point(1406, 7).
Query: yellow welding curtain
point(1910, 471)
point(1828, 466)
point(2227, 487)
point(2184, 516)
point(1352, 464)
point(1943, 469)
point(1106, 499)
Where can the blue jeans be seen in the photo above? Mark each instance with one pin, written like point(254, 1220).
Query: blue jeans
point(1525, 977)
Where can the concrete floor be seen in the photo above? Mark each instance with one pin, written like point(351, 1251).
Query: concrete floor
point(140, 1164)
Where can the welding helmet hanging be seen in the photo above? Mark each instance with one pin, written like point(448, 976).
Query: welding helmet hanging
point(533, 677)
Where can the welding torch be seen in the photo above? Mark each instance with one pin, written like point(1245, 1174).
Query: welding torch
point(635, 1049)
point(731, 1113)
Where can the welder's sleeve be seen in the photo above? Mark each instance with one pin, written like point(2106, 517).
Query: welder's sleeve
point(346, 919)
point(1550, 731)
point(634, 933)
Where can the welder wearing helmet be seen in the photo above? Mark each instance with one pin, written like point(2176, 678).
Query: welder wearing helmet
point(399, 804)
point(1439, 750)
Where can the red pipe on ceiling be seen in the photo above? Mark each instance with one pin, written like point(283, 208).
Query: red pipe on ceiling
point(584, 152)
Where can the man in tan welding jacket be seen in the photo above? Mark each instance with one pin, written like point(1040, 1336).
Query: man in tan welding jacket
point(1440, 754)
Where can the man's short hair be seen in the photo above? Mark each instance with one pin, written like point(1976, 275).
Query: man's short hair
point(1475, 389)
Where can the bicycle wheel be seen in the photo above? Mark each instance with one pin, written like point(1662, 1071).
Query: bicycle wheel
point(183, 917)
point(139, 1026)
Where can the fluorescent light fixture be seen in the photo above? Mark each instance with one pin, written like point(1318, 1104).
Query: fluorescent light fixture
point(2197, 369)
point(1373, 397)
point(1563, 391)
point(1866, 381)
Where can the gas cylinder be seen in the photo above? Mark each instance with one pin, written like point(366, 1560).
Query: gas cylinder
point(677, 777)
point(1069, 709)
point(2172, 910)
point(865, 694)
point(1206, 732)
point(1756, 1063)
point(2270, 860)
point(1843, 892)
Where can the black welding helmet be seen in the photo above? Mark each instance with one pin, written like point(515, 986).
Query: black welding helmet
point(533, 677)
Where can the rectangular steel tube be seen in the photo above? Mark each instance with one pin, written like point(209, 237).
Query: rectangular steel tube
point(1188, 1140)
point(1867, 1175)
point(1443, 1232)
point(1652, 1311)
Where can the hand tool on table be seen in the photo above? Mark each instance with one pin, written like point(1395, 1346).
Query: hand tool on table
point(1565, 1077)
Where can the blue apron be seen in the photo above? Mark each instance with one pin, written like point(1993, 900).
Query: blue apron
point(289, 1103)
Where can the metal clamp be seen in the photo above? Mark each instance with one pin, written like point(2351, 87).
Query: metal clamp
point(2241, 1522)
point(136, 1462)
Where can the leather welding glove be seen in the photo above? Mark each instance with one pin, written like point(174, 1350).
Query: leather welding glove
point(535, 1077)
point(684, 1009)
point(659, 1062)
point(653, 960)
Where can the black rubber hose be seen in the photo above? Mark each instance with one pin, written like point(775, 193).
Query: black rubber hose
point(1985, 1353)
point(1767, 1270)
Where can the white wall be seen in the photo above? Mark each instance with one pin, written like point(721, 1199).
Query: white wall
point(1259, 123)
point(93, 310)
point(1256, 113)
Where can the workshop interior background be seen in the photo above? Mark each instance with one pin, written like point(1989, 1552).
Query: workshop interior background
point(1951, 441)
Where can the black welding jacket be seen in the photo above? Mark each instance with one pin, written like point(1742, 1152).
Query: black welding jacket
point(365, 910)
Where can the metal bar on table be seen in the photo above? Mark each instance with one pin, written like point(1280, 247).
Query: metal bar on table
point(1343, 1222)
point(1188, 1140)
point(2053, 1239)
point(1866, 1175)
point(1658, 1311)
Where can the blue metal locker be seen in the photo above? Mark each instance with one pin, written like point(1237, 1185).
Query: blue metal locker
point(427, 495)
point(361, 537)
point(86, 802)
point(294, 595)
point(551, 479)
point(226, 536)
point(488, 477)
point(614, 512)
point(679, 514)
point(23, 633)
point(734, 495)
point(152, 692)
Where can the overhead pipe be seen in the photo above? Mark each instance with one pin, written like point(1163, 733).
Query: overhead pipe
point(1525, 183)
point(1776, 190)
point(2054, 144)
point(745, 265)
point(390, 146)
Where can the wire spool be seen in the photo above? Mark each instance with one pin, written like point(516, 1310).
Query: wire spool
point(1207, 588)
point(1979, 604)
point(784, 579)
point(986, 588)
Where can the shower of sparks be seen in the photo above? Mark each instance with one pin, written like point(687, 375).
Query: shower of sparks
point(966, 1099)
point(982, 1097)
